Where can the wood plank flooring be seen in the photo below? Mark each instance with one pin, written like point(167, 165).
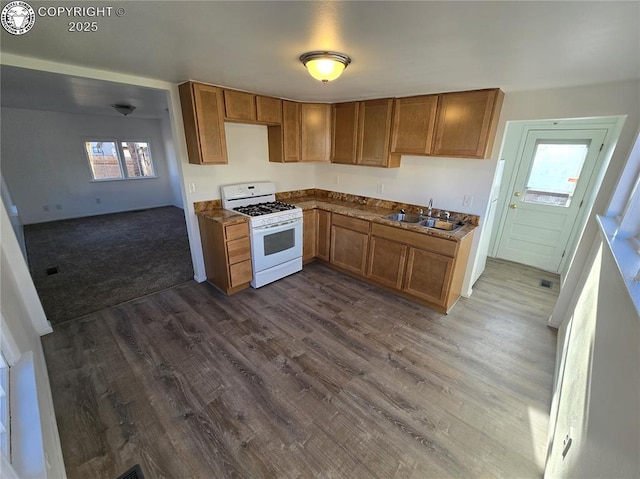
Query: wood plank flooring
point(316, 375)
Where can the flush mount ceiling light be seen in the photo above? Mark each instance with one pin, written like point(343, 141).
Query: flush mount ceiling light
point(124, 109)
point(325, 66)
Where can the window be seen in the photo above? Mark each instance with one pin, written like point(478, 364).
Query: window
point(555, 172)
point(118, 160)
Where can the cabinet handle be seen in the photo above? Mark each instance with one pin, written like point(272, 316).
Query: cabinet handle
point(517, 193)
point(513, 206)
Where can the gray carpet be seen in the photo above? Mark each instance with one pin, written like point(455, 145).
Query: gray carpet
point(105, 260)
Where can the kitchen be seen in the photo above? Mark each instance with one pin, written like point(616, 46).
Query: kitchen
point(248, 148)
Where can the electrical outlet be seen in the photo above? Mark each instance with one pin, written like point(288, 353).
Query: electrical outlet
point(192, 187)
point(58, 206)
point(45, 207)
point(98, 200)
point(336, 180)
point(467, 201)
point(380, 188)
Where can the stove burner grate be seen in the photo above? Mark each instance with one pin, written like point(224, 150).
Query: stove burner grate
point(264, 208)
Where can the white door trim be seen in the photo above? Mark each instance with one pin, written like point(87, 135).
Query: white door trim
point(515, 135)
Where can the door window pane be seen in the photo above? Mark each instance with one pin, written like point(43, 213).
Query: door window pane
point(555, 172)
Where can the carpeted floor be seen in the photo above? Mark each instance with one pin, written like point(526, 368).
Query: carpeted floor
point(105, 260)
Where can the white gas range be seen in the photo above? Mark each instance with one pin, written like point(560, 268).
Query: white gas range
point(275, 229)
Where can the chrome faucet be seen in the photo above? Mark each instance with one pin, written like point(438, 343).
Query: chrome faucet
point(430, 207)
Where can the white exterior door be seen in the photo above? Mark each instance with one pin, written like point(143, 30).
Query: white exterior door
point(554, 175)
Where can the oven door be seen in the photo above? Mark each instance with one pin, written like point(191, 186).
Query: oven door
point(276, 244)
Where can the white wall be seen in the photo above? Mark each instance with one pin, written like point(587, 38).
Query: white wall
point(175, 182)
point(26, 322)
point(44, 163)
point(597, 399)
point(248, 155)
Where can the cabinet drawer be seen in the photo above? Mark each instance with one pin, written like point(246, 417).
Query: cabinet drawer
point(350, 223)
point(236, 231)
point(429, 243)
point(238, 250)
point(240, 273)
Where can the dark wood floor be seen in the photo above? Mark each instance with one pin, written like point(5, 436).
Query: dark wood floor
point(316, 375)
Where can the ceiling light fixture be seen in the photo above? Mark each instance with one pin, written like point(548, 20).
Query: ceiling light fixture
point(124, 109)
point(325, 66)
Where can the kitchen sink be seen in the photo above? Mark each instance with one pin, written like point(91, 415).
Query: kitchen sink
point(423, 221)
point(451, 229)
point(405, 217)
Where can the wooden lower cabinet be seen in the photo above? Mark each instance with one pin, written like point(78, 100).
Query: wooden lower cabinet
point(227, 254)
point(386, 262)
point(422, 267)
point(309, 237)
point(426, 268)
point(349, 243)
point(428, 275)
point(323, 232)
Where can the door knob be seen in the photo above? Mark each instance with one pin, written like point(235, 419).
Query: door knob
point(513, 206)
point(517, 193)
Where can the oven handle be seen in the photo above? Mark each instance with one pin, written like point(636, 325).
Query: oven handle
point(278, 225)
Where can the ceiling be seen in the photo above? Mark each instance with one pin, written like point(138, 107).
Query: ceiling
point(397, 49)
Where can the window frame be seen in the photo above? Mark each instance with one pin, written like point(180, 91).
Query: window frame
point(124, 176)
point(622, 228)
point(12, 355)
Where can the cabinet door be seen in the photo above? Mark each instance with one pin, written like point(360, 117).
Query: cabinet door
point(466, 122)
point(323, 229)
point(349, 249)
point(269, 110)
point(203, 116)
point(428, 275)
point(374, 128)
point(239, 105)
point(386, 262)
point(290, 131)
point(345, 133)
point(316, 132)
point(309, 220)
point(414, 121)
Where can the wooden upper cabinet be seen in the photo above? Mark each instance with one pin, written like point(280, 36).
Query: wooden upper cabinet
point(268, 109)
point(414, 121)
point(239, 105)
point(345, 132)
point(203, 117)
point(466, 123)
point(374, 128)
point(316, 132)
point(291, 131)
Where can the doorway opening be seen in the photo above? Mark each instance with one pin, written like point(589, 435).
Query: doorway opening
point(553, 172)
